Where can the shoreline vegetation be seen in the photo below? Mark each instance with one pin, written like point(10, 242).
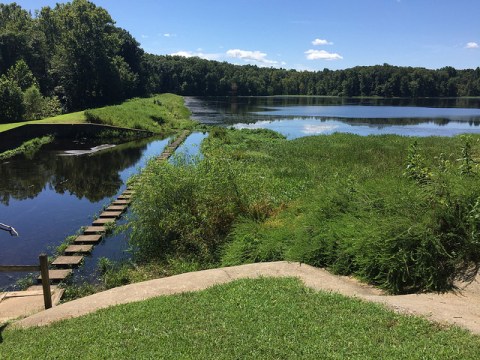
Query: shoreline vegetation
point(400, 213)
point(28, 148)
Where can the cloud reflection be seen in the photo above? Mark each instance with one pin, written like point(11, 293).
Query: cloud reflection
point(311, 129)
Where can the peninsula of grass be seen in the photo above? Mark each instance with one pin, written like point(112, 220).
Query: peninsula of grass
point(246, 319)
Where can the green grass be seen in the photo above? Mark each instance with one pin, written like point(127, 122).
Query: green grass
point(251, 319)
point(159, 114)
point(402, 218)
point(71, 118)
point(163, 114)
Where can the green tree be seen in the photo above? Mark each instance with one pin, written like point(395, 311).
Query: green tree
point(11, 101)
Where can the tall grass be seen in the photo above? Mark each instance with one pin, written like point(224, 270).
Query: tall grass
point(401, 213)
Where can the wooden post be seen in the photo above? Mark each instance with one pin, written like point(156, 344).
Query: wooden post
point(47, 295)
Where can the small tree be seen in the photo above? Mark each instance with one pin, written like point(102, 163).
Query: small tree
point(34, 103)
point(12, 107)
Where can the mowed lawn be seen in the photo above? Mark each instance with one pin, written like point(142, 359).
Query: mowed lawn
point(72, 118)
point(246, 319)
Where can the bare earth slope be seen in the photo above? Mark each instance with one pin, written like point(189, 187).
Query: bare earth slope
point(461, 308)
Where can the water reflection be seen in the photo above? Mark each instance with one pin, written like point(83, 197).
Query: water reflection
point(93, 177)
point(50, 196)
point(301, 116)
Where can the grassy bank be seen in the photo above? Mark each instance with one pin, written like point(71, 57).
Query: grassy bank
point(398, 212)
point(28, 147)
point(163, 114)
point(265, 318)
point(71, 118)
point(159, 114)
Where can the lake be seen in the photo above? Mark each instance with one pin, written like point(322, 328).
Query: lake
point(303, 116)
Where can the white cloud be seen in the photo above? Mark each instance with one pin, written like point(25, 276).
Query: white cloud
point(322, 55)
point(167, 35)
point(144, 36)
point(472, 45)
point(321, 42)
point(201, 55)
point(247, 55)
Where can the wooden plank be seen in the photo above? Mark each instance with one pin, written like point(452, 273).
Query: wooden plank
point(116, 208)
point(58, 275)
point(103, 221)
point(19, 268)
point(89, 239)
point(111, 214)
point(73, 260)
point(89, 230)
point(80, 249)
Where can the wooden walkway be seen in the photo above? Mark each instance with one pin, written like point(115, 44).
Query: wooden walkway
point(73, 256)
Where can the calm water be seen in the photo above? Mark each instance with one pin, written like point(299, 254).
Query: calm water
point(60, 189)
point(50, 196)
point(302, 116)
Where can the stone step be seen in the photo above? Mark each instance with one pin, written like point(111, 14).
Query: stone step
point(116, 208)
point(89, 230)
point(57, 275)
point(129, 192)
point(79, 249)
point(124, 197)
point(121, 202)
point(73, 260)
point(103, 221)
point(88, 239)
point(111, 214)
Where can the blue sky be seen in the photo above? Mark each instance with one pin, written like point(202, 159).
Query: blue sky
point(304, 34)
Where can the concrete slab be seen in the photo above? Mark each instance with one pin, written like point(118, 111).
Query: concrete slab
point(20, 304)
point(79, 249)
point(121, 202)
point(110, 214)
point(73, 260)
point(103, 221)
point(89, 230)
point(124, 197)
point(87, 239)
point(57, 275)
point(116, 208)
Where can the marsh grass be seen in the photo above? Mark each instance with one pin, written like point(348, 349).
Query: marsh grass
point(247, 319)
point(398, 212)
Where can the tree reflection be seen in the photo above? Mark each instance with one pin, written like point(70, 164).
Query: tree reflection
point(94, 176)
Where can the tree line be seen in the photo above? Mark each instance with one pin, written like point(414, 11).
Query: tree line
point(73, 57)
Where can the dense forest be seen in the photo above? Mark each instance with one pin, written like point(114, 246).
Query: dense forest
point(73, 57)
